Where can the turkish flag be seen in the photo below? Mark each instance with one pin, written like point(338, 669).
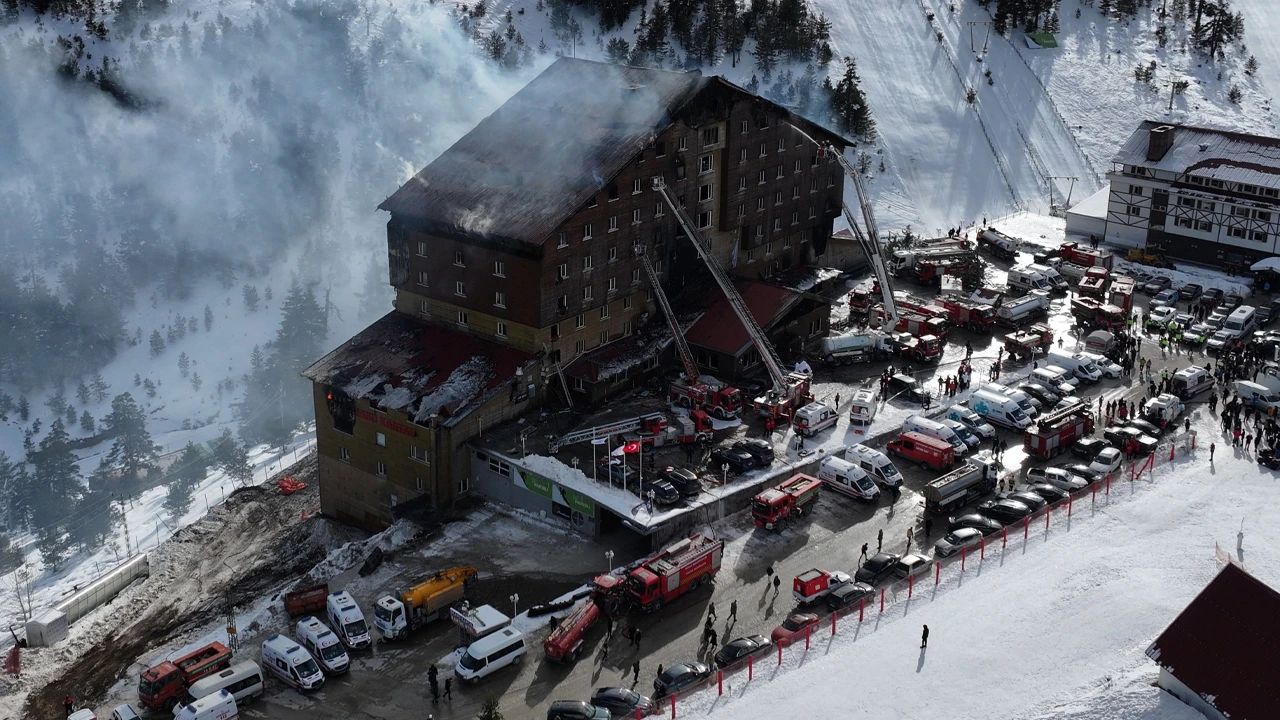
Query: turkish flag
point(631, 447)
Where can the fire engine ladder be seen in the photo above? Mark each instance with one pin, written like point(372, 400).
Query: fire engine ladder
point(1054, 418)
point(767, 354)
point(682, 347)
point(600, 431)
point(568, 397)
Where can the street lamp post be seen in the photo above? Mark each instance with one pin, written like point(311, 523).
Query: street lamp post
point(608, 555)
point(515, 604)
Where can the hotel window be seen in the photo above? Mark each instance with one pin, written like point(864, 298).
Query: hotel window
point(613, 284)
point(579, 322)
point(422, 249)
point(502, 330)
point(1259, 236)
point(613, 253)
point(777, 198)
point(382, 469)
point(764, 149)
point(813, 211)
point(626, 328)
point(831, 181)
point(418, 454)
point(1262, 215)
point(1203, 226)
point(742, 183)
point(782, 144)
point(795, 192)
point(344, 455)
point(500, 299)
point(786, 242)
point(1182, 222)
point(613, 191)
point(458, 259)
point(1135, 210)
point(751, 256)
point(613, 223)
point(795, 217)
point(563, 239)
point(586, 294)
point(711, 136)
point(743, 126)
point(780, 172)
point(579, 347)
point(759, 231)
point(563, 271)
point(635, 276)
point(704, 220)
point(499, 268)
point(760, 178)
point(586, 263)
point(1240, 211)
point(604, 311)
point(1236, 232)
point(424, 308)
point(768, 249)
point(626, 303)
point(658, 210)
point(813, 185)
point(462, 317)
point(683, 144)
point(660, 149)
point(777, 224)
point(1135, 189)
point(796, 170)
point(422, 278)
point(742, 209)
point(380, 438)
point(635, 217)
point(586, 231)
point(759, 204)
point(704, 193)
point(555, 330)
point(742, 156)
point(706, 164)
point(604, 337)
point(635, 187)
point(460, 289)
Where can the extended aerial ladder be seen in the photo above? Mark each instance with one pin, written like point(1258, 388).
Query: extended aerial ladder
point(790, 390)
point(722, 401)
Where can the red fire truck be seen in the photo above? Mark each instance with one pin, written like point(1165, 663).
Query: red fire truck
point(921, 326)
point(774, 508)
point(1121, 293)
point(863, 296)
point(1051, 435)
point(920, 306)
point(968, 314)
point(724, 403)
point(1072, 252)
point(1094, 283)
point(688, 564)
point(165, 684)
point(1092, 313)
point(922, 349)
point(564, 644)
point(1026, 343)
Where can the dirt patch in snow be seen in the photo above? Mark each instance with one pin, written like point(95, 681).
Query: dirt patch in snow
point(240, 550)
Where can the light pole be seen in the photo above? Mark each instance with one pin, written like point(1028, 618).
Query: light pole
point(608, 555)
point(515, 604)
point(724, 478)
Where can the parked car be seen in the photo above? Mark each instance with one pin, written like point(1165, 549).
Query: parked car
point(795, 624)
point(1030, 499)
point(1156, 284)
point(1230, 302)
point(1190, 291)
point(954, 542)
point(1211, 297)
point(1165, 298)
point(971, 420)
point(1197, 334)
point(963, 432)
point(981, 523)
point(876, 568)
point(1056, 477)
point(621, 702)
point(906, 387)
point(1039, 392)
point(680, 677)
point(1004, 511)
point(911, 565)
point(663, 492)
point(849, 594)
point(1184, 320)
point(1119, 438)
point(1080, 470)
point(1158, 318)
point(1088, 447)
point(761, 450)
point(1141, 277)
point(1215, 321)
point(739, 461)
point(1106, 461)
point(1145, 426)
point(684, 481)
point(1264, 316)
point(1048, 492)
point(576, 710)
point(739, 649)
point(1220, 340)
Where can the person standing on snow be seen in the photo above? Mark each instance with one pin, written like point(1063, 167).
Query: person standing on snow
point(924, 638)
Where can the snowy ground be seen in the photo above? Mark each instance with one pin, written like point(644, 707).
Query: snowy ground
point(1065, 637)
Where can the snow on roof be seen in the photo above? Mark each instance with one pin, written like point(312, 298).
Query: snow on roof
point(1224, 645)
point(1219, 154)
point(1094, 206)
point(720, 329)
point(422, 370)
point(805, 278)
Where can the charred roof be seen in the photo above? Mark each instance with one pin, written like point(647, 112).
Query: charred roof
point(538, 158)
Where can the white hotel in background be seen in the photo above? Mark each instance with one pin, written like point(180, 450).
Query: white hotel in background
point(1195, 194)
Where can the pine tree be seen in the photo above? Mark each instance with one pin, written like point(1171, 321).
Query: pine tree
point(15, 493)
point(95, 514)
point(137, 380)
point(100, 387)
point(150, 387)
point(86, 422)
point(184, 364)
point(233, 459)
point(82, 393)
point(208, 318)
point(24, 408)
point(191, 470)
point(157, 343)
point(1251, 65)
point(196, 382)
point(57, 402)
point(1234, 95)
point(71, 414)
point(490, 709)
point(250, 296)
point(132, 450)
point(56, 477)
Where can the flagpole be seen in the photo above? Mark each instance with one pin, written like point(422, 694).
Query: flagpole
point(608, 447)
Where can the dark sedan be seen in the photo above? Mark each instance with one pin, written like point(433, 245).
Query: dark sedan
point(1046, 491)
point(739, 649)
point(1156, 284)
point(1081, 470)
point(1211, 297)
point(1145, 426)
point(1119, 438)
point(849, 594)
point(661, 491)
point(973, 520)
point(1230, 302)
point(621, 702)
point(1088, 448)
point(1004, 511)
point(1039, 392)
point(1030, 499)
point(877, 568)
point(739, 461)
point(680, 677)
point(759, 449)
point(1190, 291)
point(684, 481)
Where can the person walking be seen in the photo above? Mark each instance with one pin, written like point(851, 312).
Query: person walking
point(863, 556)
point(448, 689)
point(711, 611)
point(880, 540)
point(635, 669)
point(733, 611)
point(637, 640)
point(924, 638)
point(608, 625)
point(68, 706)
point(910, 536)
point(928, 527)
point(435, 691)
point(1212, 447)
point(715, 640)
point(777, 583)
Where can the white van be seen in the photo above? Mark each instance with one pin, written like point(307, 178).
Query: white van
point(125, 712)
point(845, 477)
point(1028, 279)
point(1190, 381)
point(347, 620)
point(1241, 321)
point(1064, 376)
point(490, 654)
point(999, 409)
point(323, 645)
point(814, 418)
point(935, 429)
point(291, 663)
point(1029, 405)
point(243, 680)
point(1079, 365)
point(1056, 281)
point(862, 407)
point(1253, 394)
point(218, 706)
point(1108, 367)
point(1052, 381)
point(971, 420)
point(875, 464)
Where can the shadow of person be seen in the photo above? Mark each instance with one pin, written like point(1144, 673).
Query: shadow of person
point(920, 662)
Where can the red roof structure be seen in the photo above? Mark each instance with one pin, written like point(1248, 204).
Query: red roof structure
point(1225, 647)
point(422, 370)
point(719, 328)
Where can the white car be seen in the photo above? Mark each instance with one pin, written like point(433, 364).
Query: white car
point(1160, 316)
point(1107, 460)
point(1220, 340)
point(971, 420)
point(963, 432)
point(1105, 364)
point(956, 540)
point(1057, 477)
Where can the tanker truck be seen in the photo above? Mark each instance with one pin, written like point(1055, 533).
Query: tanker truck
point(396, 617)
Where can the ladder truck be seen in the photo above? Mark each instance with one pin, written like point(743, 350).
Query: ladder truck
point(790, 390)
point(720, 400)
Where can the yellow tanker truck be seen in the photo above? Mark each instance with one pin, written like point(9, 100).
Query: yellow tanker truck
point(395, 617)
